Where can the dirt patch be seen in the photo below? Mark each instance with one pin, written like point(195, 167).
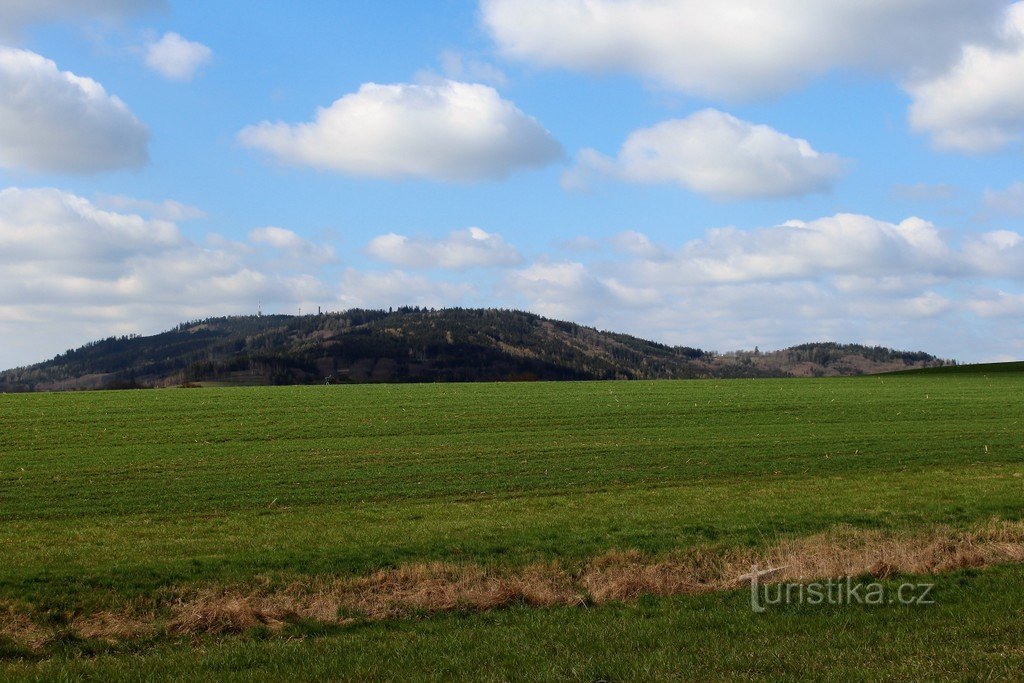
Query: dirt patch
point(615, 576)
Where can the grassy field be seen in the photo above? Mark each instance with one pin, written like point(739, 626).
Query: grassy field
point(120, 498)
point(970, 635)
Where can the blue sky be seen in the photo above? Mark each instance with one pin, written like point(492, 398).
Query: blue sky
point(751, 173)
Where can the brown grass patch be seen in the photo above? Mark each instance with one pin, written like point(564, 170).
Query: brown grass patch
point(615, 576)
point(17, 626)
point(114, 626)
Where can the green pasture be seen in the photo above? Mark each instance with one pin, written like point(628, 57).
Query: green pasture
point(110, 496)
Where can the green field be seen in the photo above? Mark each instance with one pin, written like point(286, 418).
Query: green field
point(115, 499)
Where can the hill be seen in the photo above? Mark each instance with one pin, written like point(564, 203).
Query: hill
point(974, 368)
point(419, 345)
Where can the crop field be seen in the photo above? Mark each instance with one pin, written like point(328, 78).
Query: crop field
point(510, 531)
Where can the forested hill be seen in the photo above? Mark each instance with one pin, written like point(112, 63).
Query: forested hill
point(418, 345)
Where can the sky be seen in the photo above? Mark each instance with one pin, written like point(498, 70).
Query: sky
point(717, 175)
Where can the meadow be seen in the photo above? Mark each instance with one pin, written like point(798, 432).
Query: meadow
point(115, 503)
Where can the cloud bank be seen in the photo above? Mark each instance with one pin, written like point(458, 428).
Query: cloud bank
point(736, 49)
point(71, 272)
point(844, 277)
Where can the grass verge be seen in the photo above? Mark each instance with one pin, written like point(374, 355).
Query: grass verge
point(422, 589)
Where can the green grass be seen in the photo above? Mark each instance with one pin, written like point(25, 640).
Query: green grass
point(972, 632)
point(111, 496)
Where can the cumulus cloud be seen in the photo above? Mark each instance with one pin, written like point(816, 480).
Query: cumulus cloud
point(16, 15)
point(715, 154)
point(292, 245)
point(175, 57)
point(55, 121)
point(461, 249)
point(449, 131)
point(977, 105)
point(735, 49)
point(71, 272)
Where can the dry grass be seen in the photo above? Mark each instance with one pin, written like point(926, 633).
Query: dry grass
point(114, 626)
point(18, 627)
point(615, 576)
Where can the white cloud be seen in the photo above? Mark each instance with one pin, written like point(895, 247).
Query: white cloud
point(997, 304)
point(854, 253)
point(715, 154)
point(449, 131)
point(889, 285)
point(458, 67)
point(999, 253)
point(736, 48)
point(843, 278)
point(565, 290)
point(39, 227)
point(461, 249)
point(71, 272)
point(16, 15)
point(55, 121)
point(175, 57)
point(168, 209)
point(638, 244)
point(1009, 201)
point(837, 245)
point(978, 104)
point(926, 305)
point(570, 290)
point(292, 245)
point(361, 289)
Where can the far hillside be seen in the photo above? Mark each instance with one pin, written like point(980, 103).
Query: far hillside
point(420, 345)
point(1014, 366)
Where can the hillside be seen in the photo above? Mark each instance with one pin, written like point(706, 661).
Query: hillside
point(418, 345)
point(975, 368)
